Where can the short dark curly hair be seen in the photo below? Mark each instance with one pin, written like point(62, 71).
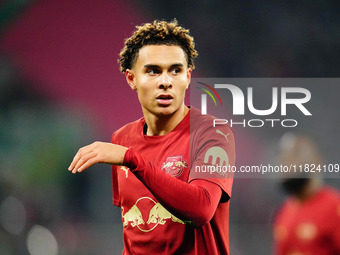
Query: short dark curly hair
point(157, 33)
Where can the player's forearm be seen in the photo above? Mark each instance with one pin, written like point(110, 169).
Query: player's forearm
point(196, 202)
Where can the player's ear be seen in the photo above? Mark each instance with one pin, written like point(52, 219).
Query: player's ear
point(188, 77)
point(130, 78)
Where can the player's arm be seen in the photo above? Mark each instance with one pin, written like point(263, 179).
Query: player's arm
point(195, 202)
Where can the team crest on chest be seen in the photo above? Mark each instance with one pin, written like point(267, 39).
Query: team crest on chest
point(174, 165)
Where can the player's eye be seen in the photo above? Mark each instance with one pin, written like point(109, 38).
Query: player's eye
point(152, 71)
point(176, 70)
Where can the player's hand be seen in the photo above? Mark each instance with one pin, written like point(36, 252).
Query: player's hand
point(97, 152)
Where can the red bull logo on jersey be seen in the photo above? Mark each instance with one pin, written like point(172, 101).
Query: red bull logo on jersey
point(174, 165)
point(158, 214)
point(146, 214)
point(133, 216)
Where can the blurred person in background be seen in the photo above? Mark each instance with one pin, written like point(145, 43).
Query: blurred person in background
point(309, 220)
point(166, 207)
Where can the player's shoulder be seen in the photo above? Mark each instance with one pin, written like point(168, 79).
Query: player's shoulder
point(205, 123)
point(197, 118)
point(331, 194)
point(128, 129)
point(285, 210)
point(329, 202)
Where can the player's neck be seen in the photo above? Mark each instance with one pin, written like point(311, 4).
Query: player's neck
point(163, 125)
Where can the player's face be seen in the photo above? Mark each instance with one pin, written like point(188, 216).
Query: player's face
point(160, 76)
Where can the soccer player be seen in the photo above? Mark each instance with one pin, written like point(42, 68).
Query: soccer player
point(309, 220)
point(167, 205)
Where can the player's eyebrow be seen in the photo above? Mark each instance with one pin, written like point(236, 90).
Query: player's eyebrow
point(147, 66)
point(177, 65)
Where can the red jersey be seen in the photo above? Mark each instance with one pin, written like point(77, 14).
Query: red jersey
point(311, 227)
point(149, 228)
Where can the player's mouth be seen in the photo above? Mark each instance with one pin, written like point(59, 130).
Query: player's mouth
point(164, 99)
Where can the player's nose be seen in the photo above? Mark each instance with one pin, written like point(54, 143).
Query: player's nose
point(165, 81)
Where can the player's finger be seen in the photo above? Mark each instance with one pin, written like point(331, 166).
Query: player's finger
point(81, 152)
point(87, 164)
point(83, 160)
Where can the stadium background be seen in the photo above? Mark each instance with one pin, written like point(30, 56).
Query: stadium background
point(60, 88)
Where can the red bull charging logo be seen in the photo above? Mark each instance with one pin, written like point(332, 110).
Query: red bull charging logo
point(147, 222)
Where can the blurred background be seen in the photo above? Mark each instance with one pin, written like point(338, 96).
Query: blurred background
point(61, 88)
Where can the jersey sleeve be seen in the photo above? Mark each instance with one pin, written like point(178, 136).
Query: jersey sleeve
point(213, 155)
point(115, 187)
